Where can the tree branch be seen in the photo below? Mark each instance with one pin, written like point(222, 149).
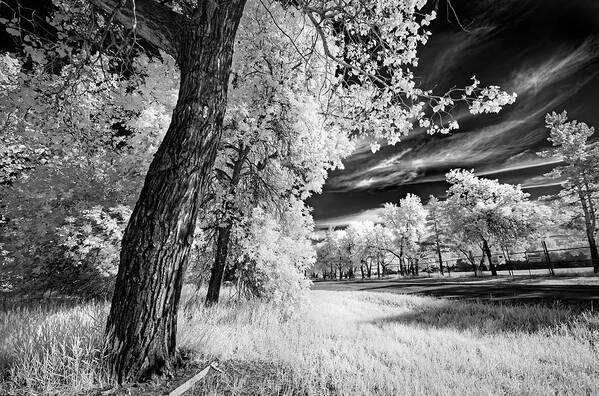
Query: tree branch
point(154, 22)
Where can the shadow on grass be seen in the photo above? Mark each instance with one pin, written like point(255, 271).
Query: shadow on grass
point(577, 296)
point(487, 318)
point(502, 290)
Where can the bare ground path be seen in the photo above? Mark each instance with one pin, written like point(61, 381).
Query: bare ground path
point(569, 289)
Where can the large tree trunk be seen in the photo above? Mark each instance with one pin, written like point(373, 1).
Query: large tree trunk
point(487, 251)
point(142, 324)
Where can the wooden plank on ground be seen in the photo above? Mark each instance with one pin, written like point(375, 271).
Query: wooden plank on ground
point(187, 385)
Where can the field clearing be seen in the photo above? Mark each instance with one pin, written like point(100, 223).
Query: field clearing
point(576, 289)
point(339, 343)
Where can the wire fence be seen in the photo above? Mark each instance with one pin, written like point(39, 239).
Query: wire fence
point(506, 260)
point(538, 261)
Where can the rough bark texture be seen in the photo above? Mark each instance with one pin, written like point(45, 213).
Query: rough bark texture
point(141, 328)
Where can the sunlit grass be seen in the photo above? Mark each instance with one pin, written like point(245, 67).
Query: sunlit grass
point(52, 349)
point(338, 343)
point(364, 343)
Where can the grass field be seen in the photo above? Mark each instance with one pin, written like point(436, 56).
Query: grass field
point(338, 343)
point(578, 290)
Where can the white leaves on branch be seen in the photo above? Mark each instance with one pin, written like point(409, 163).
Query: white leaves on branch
point(372, 49)
point(480, 209)
point(275, 253)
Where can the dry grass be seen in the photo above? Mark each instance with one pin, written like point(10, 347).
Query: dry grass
point(339, 343)
point(51, 349)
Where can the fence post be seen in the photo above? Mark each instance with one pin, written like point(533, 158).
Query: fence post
point(527, 263)
point(551, 271)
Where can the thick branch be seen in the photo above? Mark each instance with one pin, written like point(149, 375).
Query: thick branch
point(154, 22)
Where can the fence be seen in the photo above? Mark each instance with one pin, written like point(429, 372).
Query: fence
point(549, 259)
point(531, 260)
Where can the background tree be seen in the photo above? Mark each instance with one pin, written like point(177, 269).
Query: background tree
point(359, 239)
point(274, 145)
point(328, 253)
point(437, 226)
point(486, 211)
point(580, 171)
point(407, 223)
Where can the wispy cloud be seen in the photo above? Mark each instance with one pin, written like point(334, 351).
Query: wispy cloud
point(488, 149)
point(343, 221)
point(561, 65)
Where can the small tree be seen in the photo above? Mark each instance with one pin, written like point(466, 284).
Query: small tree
point(486, 211)
point(437, 226)
point(275, 253)
point(407, 223)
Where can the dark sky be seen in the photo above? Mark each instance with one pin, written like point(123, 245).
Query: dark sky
point(547, 51)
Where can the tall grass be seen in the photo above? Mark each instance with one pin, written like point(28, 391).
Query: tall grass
point(52, 349)
point(374, 343)
point(338, 343)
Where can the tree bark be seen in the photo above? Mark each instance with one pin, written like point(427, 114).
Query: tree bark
point(141, 329)
point(488, 254)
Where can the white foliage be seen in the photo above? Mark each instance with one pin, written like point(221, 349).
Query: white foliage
point(276, 254)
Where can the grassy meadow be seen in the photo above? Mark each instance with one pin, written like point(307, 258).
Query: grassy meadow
point(340, 343)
